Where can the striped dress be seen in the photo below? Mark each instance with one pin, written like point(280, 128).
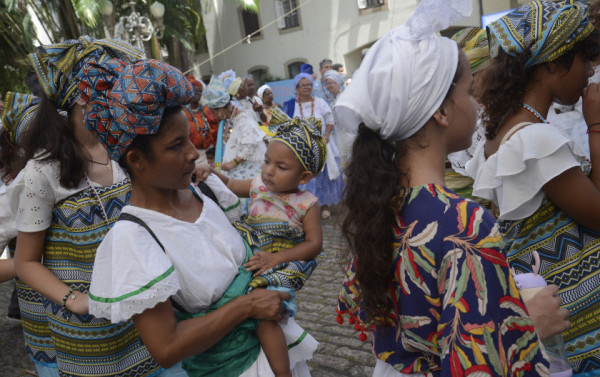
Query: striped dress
point(81, 345)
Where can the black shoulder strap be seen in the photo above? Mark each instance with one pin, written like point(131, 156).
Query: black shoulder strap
point(140, 222)
point(206, 190)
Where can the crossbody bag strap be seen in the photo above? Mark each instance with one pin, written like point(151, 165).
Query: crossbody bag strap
point(512, 131)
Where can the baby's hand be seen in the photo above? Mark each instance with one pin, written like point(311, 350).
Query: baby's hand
point(261, 262)
point(201, 173)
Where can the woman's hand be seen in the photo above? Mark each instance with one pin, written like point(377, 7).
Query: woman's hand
point(80, 304)
point(548, 318)
point(261, 262)
point(267, 305)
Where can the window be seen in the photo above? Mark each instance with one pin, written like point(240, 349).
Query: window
point(292, 19)
point(250, 23)
point(260, 75)
point(294, 68)
point(364, 4)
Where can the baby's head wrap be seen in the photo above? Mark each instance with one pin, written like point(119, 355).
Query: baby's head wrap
point(473, 41)
point(405, 76)
point(303, 137)
point(215, 94)
point(301, 76)
point(262, 89)
point(19, 111)
point(335, 76)
point(128, 100)
point(547, 29)
point(58, 64)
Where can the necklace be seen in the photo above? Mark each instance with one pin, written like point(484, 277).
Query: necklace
point(312, 108)
point(535, 113)
point(107, 165)
point(104, 215)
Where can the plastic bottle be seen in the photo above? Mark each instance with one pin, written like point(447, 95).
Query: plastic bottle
point(528, 285)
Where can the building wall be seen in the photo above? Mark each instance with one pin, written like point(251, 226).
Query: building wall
point(334, 29)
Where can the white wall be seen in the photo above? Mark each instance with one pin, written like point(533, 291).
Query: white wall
point(332, 29)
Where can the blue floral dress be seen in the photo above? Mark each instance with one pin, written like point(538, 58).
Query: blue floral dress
point(456, 309)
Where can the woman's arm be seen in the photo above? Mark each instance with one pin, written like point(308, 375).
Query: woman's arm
point(7, 270)
point(308, 249)
point(28, 266)
point(170, 341)
point(572, 191)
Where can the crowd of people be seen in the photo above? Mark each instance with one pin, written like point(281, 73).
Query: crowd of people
point(161, 226)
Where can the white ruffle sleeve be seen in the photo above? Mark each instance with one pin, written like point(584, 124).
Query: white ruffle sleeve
point(131, 274)
point(514, 176)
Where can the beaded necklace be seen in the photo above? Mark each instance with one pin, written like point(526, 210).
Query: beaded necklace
point(535, 113)
point(312, 108)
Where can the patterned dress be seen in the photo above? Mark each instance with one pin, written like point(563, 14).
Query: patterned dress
point(274, 224)
point(456, 309)
point(81, 345)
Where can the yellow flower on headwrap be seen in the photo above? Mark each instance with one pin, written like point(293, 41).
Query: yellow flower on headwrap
point(303, 137)
point(474, 42)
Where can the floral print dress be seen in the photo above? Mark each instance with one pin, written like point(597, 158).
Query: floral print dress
point(456, 310)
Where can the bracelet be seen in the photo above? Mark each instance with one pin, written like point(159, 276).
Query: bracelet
point(592, 131)
point(235, 163)
point(593, 124)
point(66, 297)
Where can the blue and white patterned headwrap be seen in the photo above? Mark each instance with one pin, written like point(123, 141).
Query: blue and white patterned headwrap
point(547, 29)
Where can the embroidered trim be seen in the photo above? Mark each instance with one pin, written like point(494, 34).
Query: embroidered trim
point(137, 291)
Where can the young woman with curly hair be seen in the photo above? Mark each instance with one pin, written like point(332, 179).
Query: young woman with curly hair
point(547, 195)
point(426, 279)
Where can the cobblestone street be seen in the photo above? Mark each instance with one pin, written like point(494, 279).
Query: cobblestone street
point(340, 352)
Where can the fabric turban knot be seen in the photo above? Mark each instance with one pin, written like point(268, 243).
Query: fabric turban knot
point(303, 137)
point(19, 111)
point(57, 65)
point(547, 29)
point(215, 94)
point(128, 100)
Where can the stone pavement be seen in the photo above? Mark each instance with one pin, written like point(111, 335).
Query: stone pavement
point(340, 352)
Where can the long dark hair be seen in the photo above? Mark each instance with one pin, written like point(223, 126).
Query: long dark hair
point(506, 80)
point(9, 157)
point(51, 132)
point(375, 190)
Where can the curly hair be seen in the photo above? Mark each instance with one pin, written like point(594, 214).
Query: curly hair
point(375, 190)
point(506, 80)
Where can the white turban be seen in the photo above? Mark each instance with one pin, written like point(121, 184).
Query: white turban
point(262, 89)
point(335, 76)
point(405, 76)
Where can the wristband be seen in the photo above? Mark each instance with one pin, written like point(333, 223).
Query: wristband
point(235, 163)
point(66, 297)
point(592, 131)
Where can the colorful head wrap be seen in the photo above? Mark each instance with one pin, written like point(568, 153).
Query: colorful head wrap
point(301, 76)
point(303, 137)
point(405, 76)
point(215, 94)
point(19, 111)
point(335, 76)
point(473, 41)
point(547, 29)
point(57, 65)
point(227, 77)
point(261, 91)
point(129, 99)
point(306, 68)
point(234, 86)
